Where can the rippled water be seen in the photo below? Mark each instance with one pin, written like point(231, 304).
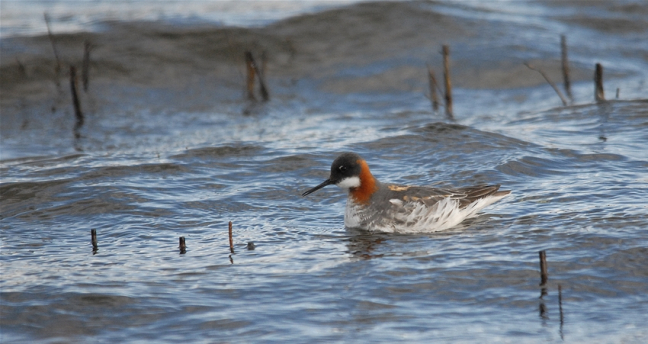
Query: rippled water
point(178, 154)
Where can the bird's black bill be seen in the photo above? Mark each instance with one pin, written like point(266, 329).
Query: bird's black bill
point(326, 182)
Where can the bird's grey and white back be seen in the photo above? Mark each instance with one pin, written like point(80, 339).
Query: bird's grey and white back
point(420, 209)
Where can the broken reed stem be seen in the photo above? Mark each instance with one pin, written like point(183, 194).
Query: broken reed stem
point(264, 90)
point(448, 83)
point(543, 268)
point(564, 100)
point(599, 94)
point(183, 245)
point(85, 68)
point(249, 63)
point(75, 100)
point(433, 89)
point(265, 96)
point(565, 66)
point(231, 241)
point(93, 236)
point(57, 68)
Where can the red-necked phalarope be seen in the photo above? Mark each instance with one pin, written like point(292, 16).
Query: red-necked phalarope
point(372, 205)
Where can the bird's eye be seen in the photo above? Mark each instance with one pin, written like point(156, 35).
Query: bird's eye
point(342, 168)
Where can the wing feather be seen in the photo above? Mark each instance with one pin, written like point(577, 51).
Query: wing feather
point(431, 196)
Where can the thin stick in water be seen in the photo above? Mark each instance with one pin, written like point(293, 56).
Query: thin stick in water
point(565, 66)
point(231, 240)
point(599, 94)
point(433, 89)
point(183, 245)
point(262, 86)
point(75, 101)
point(564, 101)
point(543, 268)
point(448, 83)
point(264, 90)
point(93, 236)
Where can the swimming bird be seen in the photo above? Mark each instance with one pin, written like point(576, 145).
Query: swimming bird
point(372, 205)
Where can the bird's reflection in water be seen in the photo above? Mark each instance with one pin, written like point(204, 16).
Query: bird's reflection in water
point(362, 244)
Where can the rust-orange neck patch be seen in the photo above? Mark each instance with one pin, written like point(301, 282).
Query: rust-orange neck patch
point(367, 187)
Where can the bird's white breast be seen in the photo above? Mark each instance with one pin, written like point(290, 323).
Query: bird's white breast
point(352, 217)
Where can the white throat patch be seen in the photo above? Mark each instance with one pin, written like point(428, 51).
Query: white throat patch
point(347, 183)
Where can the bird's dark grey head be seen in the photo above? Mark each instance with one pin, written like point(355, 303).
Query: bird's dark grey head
point(345, 166)
point(345, 172)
